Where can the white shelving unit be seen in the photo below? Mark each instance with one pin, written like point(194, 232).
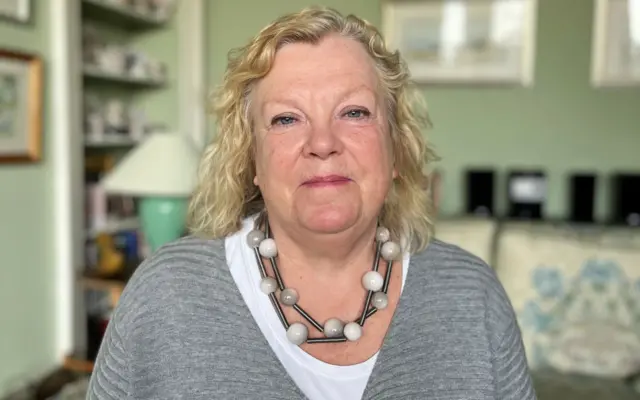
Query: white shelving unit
point(92, 72)
point(129, 20)
point(120, 15)
point(70, 142)
point(114, 226)
point(109, 141)
point(126, 22)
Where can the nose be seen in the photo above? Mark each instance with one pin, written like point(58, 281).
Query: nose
point(322, 142)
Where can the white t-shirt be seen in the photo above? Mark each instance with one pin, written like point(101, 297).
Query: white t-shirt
point(318, 380)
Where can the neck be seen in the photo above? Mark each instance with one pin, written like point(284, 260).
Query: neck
point(340, 252)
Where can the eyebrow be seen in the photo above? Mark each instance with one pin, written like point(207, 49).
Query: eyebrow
point(357, 89)
point(347, 93)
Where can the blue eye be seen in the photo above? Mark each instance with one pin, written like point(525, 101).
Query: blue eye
point(283, 120)
point(357, 114)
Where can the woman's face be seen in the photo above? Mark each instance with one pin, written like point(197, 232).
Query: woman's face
point(323, 150)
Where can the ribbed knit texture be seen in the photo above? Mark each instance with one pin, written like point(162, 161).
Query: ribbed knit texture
point(183, 331)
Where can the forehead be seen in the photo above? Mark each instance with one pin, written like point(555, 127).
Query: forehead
point(331, 65)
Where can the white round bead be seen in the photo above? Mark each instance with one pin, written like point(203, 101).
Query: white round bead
point(382, 234)
point(268, 285)
point(268, 248)
point(352, 331)
point(254, 238)
point(390, 251)
point(373, 281)
point(297, 333)
point(289, 297)
point(380, 300)
point(333, 327)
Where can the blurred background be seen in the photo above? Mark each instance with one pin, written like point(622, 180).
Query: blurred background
point(536, 112)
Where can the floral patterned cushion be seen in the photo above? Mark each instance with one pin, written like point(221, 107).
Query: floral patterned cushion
point(577, 296)
point(475, 235)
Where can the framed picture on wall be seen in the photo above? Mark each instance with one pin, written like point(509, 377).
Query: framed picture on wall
point(16, 10)
point(464, 41)
point(616, 43)
point(20, 107)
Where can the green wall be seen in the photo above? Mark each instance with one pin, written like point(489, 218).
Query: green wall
point(27, 325)
point(560, 124)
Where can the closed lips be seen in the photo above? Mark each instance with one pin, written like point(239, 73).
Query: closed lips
point(327, 179)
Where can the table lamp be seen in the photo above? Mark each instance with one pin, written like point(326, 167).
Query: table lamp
point(161, 173)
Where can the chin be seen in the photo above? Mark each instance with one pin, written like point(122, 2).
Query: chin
point(328, 221)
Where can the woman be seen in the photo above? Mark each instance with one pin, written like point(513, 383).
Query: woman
point(312, 273)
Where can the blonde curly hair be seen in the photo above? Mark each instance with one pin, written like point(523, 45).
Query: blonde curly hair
point(225, 193)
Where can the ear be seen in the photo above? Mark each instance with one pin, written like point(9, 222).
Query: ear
point(394, 173)
point(255, 180)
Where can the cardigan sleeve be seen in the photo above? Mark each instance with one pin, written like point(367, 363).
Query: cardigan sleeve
point(512, 377)
point(110, 377)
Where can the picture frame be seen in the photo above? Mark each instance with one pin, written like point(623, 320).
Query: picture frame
point(464, 41)
point(615, 55)
point(20, 107)
point(16, 10)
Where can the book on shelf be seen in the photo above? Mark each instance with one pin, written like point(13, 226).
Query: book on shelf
point(114, 245)
point(105, 212)
point(112, 258)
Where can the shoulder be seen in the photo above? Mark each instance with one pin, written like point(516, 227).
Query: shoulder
point(466, 281)
point(447, 260)
point(188, 257)
point(188, 269)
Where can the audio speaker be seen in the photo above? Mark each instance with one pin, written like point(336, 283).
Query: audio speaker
point(527, 194)
point(582, 198)
point(625, 202)
point(480, 189)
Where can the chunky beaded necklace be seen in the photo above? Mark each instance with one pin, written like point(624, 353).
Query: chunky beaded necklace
point(334, 330)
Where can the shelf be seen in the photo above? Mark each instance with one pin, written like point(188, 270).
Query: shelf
point(94, 73)
point(114, 286)
point(119, 15)
point(110, 141)
point(101, 284)
point(114, 226)
point(120, 24)
point(77, 365)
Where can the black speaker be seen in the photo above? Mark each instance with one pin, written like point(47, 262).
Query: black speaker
point(527, 194)
point(582, 199)
point(625, 202)
point(480, 189)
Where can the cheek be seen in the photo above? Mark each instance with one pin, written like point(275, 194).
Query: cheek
point(262, 159)
point(374, 154)
point(274, 160)
point(375, 158)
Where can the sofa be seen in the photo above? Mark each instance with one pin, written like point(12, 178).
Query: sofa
point(576, 293)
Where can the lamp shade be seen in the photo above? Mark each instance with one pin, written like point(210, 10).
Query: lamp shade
point(164, 164)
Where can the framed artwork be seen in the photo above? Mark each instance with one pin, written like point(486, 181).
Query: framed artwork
point(16, 10)
point(616, 43)
point(20, 107)
point(464, 41)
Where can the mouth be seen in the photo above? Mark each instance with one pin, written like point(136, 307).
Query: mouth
point(326, 180)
